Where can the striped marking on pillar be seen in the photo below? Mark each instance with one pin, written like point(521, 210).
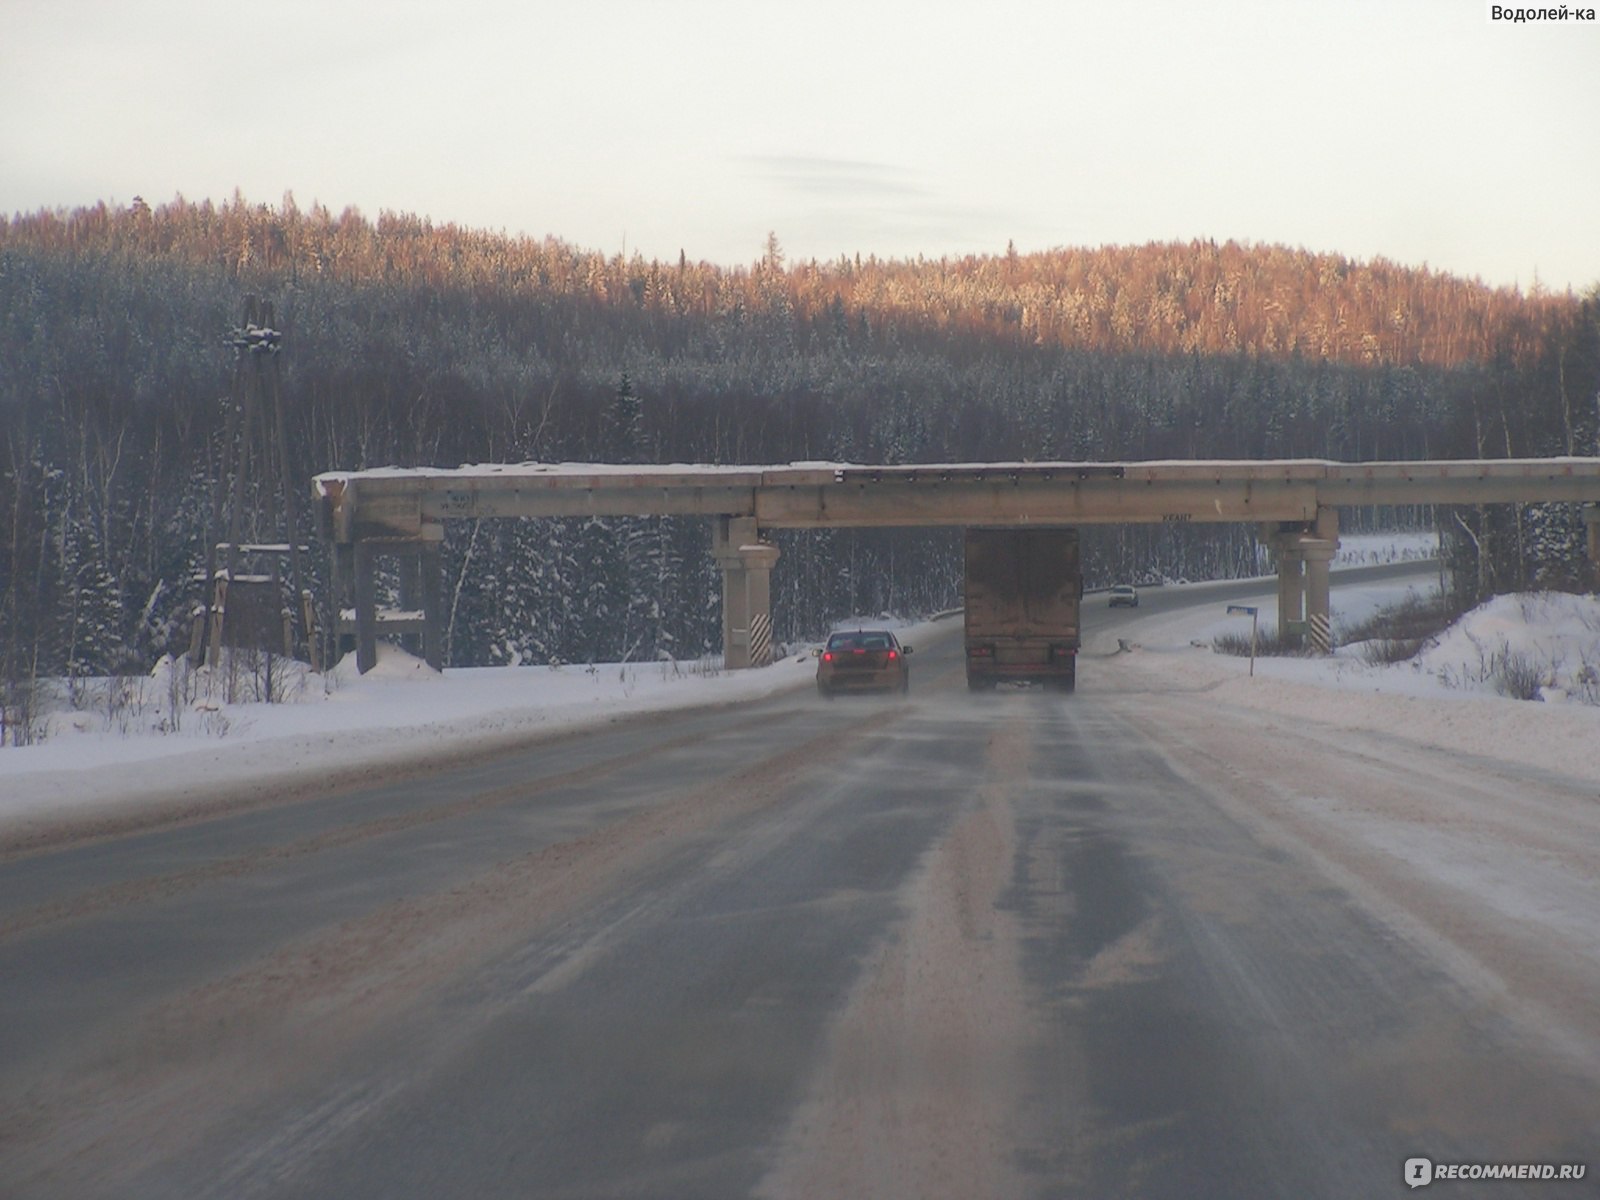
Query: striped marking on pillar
point(761, 640)
point(1321, 638)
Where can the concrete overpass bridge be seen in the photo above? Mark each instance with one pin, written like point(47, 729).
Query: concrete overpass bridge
point(401, 512)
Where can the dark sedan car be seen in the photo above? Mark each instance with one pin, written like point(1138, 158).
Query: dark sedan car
point(868, 660)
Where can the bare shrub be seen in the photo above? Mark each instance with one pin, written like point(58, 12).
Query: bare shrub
point(1516, 675)
point(1587, 681)
point(213, 721)
point(1395, 634)
point(1383, 652)
point(22, 712)
point(1268, 645)
point(126, 698)
point(183, 688)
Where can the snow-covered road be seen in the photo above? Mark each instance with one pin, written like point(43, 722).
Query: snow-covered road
point(1187, 933)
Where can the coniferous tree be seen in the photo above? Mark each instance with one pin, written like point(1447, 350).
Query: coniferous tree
point(416, 343)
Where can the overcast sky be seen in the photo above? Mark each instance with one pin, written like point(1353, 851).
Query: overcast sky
point(1411, 129)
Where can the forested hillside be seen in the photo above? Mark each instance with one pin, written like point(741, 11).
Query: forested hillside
point(411, 343)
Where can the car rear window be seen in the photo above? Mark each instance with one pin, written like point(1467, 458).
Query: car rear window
point(859, 641)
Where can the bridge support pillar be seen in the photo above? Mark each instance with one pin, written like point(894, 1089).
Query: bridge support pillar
point(1284, 542)
point(410, 596)
point(1591, 522)
point(432, 560)
point(746, 563)
point(1291, 588)
point(366, 587)
point(1303, 553)
point(421, 585)
point(1319, 629)
point(343, 595)
point(1319, 550)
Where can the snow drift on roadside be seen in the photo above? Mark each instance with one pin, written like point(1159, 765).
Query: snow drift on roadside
point(1552, 635)
point(1435, 700)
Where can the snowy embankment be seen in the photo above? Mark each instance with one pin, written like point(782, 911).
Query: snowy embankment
point(168, 743)
point(1448, 697)
point(125, 753)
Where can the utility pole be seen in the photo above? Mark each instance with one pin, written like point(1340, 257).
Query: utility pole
point(256, 465)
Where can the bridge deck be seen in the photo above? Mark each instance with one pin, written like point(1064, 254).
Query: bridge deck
point(402, 512)
point(398, 502)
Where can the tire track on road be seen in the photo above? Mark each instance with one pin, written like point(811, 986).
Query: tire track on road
point(155, 888)
point(923, 1069)
point(157, 1087)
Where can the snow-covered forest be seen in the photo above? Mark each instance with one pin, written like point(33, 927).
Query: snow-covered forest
point(411, 344)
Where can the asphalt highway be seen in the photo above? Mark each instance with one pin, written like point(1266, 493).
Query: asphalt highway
point(952, 946)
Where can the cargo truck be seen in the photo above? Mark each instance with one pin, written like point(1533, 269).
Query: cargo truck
point(1024, 592)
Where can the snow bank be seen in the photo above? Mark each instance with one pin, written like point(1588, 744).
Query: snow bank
point(402, 712)
point(1552, 636)
point(147, 742)
point(1444, 698)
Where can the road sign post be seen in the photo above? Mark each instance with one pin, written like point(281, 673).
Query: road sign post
point(1250, 610)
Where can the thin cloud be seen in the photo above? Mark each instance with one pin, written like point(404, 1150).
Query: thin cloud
point(837, 178)
point(827, 206)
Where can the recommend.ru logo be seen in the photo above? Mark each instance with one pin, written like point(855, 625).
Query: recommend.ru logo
point(1419, 1172)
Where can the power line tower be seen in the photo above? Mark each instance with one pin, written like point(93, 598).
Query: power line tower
point(255, 513)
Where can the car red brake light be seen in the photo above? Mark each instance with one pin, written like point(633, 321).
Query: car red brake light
point(893, 656)
point(827, 656)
